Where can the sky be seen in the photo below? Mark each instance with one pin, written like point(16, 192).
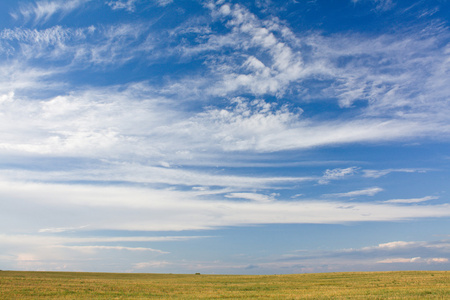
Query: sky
point(249, 137)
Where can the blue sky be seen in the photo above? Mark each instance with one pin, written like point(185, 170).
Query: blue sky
point(251, 137)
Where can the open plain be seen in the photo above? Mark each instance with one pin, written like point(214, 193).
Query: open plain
point(358, 285)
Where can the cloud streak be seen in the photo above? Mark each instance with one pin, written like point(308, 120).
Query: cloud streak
point(412, 200)
point(153, 210)
point(335, 174)
point(129, 5)
point(104, 123)
point(365, 192)
point(380, 173)
point(41, 11)
point(413, 260)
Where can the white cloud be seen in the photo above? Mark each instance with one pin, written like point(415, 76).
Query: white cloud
point(202, 182)
point(129, 5)
point(151, 265)
point(159, 210)
point(392, 245)
point(412, 200)
point(52, 35)
point(380, 173)
point(58, 252)
point(153, 151)
point(106, 123)
point(384, 5)
point(381, 5)
point(244, 71)
point(18, 77)
point(59, 241)
point(257, 126)
point(77, 48)
point(164, 2)
point(388, 89)
point(413, 260)
point(339, 173)
point(251, 127)
point(365, 192)
point(55, 43)
point(252, 196)
point(46, 252)
point(443, 245)
point(61, 229)
point(376, 258)
point(69, 124)
point(416, 256)
point(96, 248)
point(41, 11)
point(377, 69)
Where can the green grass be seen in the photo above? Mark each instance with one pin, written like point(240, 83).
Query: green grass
point(362, 285)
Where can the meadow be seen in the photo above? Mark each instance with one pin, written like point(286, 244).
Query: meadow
point(358, 285)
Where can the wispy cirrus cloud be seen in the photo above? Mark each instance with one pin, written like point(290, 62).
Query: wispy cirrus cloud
point(349, 62)
point(414, 260)
point(129, 5)
point(42, 10)
point(32, 79)
point(43, 238)
point(252, 196)
point(250, 72)
point(50, 36)
point(412, 200)
point(98, 248)
point(389, 89)
point(100, 121)
point(380, 5)
point(339, 173)
point(155, 209)
point(204, 182)
point(77, 48)
point(380, 173)
point(360, 78)
point(282, 129)
point(364, 192)
point(61, 229)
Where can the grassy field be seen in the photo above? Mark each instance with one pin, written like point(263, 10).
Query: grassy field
point(373, 285)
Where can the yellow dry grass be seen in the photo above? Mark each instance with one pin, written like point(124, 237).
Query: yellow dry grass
point(360, 285)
